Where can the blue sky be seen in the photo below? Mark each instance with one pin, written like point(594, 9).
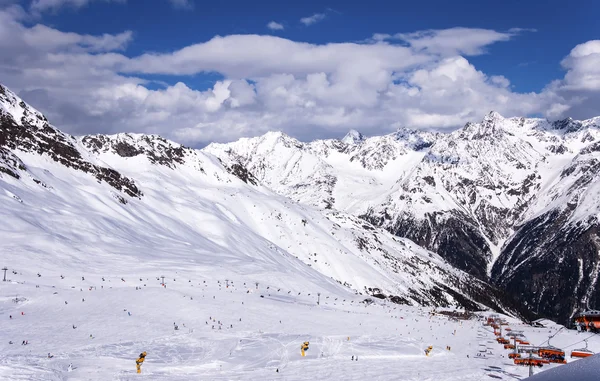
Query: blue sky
point(529, 61)
point(467, 49)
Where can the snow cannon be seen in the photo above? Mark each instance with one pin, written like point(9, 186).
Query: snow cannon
point(304, 348)
point(139, 361)
point(428, 350)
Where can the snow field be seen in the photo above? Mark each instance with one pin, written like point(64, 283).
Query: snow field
point(388, 339)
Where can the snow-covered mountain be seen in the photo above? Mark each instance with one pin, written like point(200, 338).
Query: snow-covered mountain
point(107, 200)
point(470, 195)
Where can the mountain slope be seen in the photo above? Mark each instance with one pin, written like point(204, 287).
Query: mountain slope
point(165, 203)
point(465, 195)
point(553, 257)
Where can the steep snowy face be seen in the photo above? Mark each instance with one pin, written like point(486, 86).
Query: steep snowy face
point(328, 173)
point(465, 195)
point(285, 165)
point(353, 137)
point(24, 129)
point(377, 152)
point(135, 199)
point(13, 107)
point(553, 259)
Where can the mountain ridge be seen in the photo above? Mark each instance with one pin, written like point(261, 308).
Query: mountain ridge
point(463, 194)
point(170, 196)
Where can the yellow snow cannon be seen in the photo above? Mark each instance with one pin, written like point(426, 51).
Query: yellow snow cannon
point(139, 361)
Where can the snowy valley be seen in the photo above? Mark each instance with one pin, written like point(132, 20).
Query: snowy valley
point(355, 245)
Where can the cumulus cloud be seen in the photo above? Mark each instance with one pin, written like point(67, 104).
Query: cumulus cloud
point(581, 84)
point(275, 26)
point(88, 83)
point(313, 19)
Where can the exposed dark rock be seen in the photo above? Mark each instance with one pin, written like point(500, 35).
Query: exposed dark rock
point(242, 173)
point(454, 237)
point(552, 265)
point(10, 164)
point(60, 148)
point(157, 149)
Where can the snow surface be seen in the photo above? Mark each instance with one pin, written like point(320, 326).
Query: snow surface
point(214, 238)
point(389, 340)
point(584, 370)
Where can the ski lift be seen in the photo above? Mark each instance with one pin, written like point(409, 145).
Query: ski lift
point(552, 354)
point(582, 352)
point(530, 361)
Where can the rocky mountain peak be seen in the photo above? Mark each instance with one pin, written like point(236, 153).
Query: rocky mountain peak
point(492, 116)
point(157, 149)
point(353, 137)
point(13, 106)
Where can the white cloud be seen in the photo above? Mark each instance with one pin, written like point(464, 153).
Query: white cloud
point(313, 19)
point(40, 6)
point(275, 26)
point(87, 83)
point(251, 56)
point(182, 4)
point(453, 41)
point(583, 67)
point(53, 5)
point(580, 88)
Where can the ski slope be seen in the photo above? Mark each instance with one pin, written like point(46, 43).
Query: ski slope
point(260, 332)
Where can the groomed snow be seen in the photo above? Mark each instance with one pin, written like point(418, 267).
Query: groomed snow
point(389, 340)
